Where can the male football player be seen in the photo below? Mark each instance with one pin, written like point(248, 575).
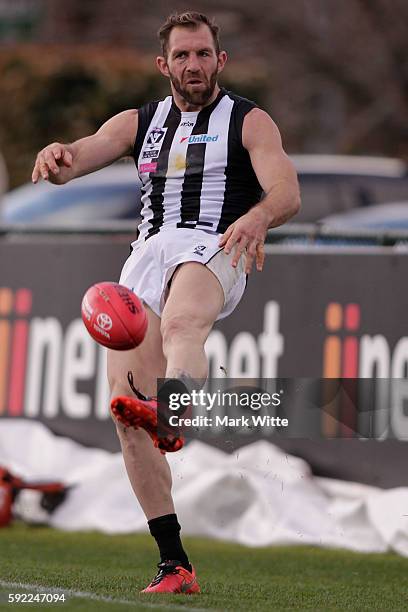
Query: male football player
point(204, 156)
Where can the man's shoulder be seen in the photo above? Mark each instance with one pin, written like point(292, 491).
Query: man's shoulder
point(147, 111)
point(240, 101)
point(154, 103)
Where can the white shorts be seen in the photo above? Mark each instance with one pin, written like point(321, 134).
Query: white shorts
point(152, 263)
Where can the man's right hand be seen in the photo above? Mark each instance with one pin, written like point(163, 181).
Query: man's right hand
point(50, 163)
point(59, 163)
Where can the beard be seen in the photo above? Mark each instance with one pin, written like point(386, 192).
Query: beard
point(196, 98)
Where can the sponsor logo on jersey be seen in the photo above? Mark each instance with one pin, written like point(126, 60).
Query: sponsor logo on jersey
point(149, 154)
point(199, 138)
point(146, 168)
point(187, 124)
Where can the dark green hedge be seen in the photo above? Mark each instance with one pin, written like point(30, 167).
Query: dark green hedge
point(55, 94)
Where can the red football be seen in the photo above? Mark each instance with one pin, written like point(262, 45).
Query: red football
point(114, 316)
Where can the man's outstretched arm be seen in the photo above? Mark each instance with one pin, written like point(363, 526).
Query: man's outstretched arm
point(59, 163)
point(277, 177)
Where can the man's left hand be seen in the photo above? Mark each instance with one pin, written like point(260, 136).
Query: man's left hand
point(247, 234)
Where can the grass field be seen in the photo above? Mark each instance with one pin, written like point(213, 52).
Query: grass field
point(99, 572)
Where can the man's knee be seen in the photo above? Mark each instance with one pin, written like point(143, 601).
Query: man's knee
point(182, 327)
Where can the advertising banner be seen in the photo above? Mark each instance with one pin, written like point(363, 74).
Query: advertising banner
point(312, 314)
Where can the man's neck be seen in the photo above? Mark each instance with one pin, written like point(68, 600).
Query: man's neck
point(186, 107)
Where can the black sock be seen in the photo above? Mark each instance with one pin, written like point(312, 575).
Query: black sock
point(166, 531)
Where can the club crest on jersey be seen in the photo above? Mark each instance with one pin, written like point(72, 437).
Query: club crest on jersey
point(200, 138)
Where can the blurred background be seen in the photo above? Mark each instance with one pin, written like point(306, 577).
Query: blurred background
point(332, 300)
point(334, 77)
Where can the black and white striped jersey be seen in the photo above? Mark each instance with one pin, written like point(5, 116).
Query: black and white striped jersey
point(194, 169)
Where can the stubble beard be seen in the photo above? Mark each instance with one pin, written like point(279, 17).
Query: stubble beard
point(195, 98)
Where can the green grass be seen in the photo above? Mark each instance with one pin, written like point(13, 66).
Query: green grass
point(232, 577)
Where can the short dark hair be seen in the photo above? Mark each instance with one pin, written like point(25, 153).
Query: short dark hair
point(191, 20)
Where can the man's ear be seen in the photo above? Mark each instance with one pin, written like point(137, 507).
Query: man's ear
point(222, 58)
point(161, 64)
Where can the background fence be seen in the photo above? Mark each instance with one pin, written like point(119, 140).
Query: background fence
point(315, 312)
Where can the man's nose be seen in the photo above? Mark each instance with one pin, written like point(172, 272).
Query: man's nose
point(193, 65)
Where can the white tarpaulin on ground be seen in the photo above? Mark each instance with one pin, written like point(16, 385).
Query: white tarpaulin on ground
point(256, 496)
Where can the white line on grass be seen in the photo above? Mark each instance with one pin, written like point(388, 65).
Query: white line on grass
point(92, 596)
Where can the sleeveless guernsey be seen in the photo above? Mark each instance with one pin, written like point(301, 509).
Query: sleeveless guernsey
point(194, 170)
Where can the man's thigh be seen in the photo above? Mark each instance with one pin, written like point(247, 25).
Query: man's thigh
point(195, 295)
point(146, 362)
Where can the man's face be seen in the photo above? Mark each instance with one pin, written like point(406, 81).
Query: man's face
point(192, 63)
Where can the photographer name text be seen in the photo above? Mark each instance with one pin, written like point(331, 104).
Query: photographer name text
point(255, 420)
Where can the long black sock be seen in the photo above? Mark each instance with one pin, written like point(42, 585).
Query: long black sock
point(166, 531)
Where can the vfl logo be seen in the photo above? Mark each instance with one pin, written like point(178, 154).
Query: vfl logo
point(154, 143)
point(104, 321)
point(199, 249)
point(155, 137)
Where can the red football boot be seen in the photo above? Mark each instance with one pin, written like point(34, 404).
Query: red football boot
point(136, 412)
point(173, 578)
